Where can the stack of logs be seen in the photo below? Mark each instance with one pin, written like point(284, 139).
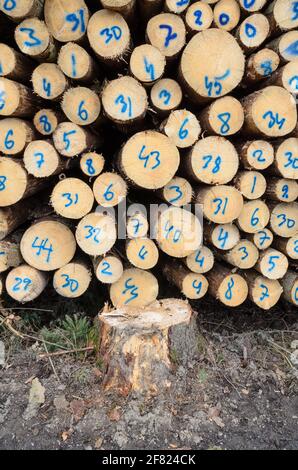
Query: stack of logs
point(192, 104)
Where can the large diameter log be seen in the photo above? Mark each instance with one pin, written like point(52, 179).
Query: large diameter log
point(42, 160)
point(92, 163)
point(108, 269)
point(244, 255)
point(194, 286)
point(149, 160)
point(254, 216)
point(10, 254)
point(81, 105)
point(96, 233)
point(270, 112)
point(259, 66)
point(284, 219)
point(282, 190)
point(286, 77)
point(223, 236)
point(14, 65)
point(49, 82)
point(177, 192)
point(147, 64)
point(48, 245)
point(285, 46)
point(253, 31)
point(167, 32)
point(138, 346)
point(109, 189)
point(224, 116)
point(288, 246)
point(76, 63)
point(135, 288)
point(17, 10)
point(66, 19)
point(34, 39)
point(72, 280)
point(286, 159)
point(230, 289)
point(182, 127)
point(213, 160)
point(262, 239)
point(15, 135)
point(17, 100)
point(47, 120)
point(256, 154)
point(25, 283)
point(227, 14)
point(220, 204)
point(282, 15)
point(263, 292)
point(142, 253)
point(72, 198)
point(14, 216)
point(272, 264)
point(251, 184)
point(200, 261)
point(212, 65)
point(198, 17)
point(165, 96)
point(71, 140)
point(290, 287)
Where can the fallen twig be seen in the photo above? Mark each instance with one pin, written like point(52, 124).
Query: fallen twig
point(70, 351)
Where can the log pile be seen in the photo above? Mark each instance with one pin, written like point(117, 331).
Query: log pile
point(185, 106)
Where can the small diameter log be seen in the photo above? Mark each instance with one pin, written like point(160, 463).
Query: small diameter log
point(213, 160)
point(147, 64)
point(109, 37)
point(25, 283)
point(47, 120)
point(251, 184)
point(16, 99)
point(182, 127)
point(92, 163)
point(282, 15)
point(137, 225)
point(284, 219)
point(263, 292)
point(127, 8)
point(10, 254)
point(142, 253)
point(200, 261)
point(72, 280)
point(230, 289)
point(250, 6)
point(42, 160)
point(125, 102)
point(15, 135)
point(167, 32)
point(198, 17)
point(81, 105)
point(288, 246)
point(272, 264)
point(290, 287)
point(136, 288)
point(221, 204)
point(224, 116)
point(178, 232)
point(254, 216)
point(149, 160)
point(286, 77)
point(226, 14)
point(109, 189)
point(77, 64)
point(34, 39)
point(48, 245)
point(174, 6)
point(194, 286)
point(286, 159)
point(253, 31)
point(285, 46)
point(17, 10)
point(262, 239)
point(66, 19)
point(71, 140)
point(256, 154)
point(282, 190)
point(15, 183)
point(72, 198)
point(259, 66)
point(212, 65)
point(270, 112)
point(177, 192)
point(49, 82)
point(165, 96)
point(14, 216)
point(14, 65)
point(244, 255)
point(96, 233)
point(223, 236)
point(108, 269)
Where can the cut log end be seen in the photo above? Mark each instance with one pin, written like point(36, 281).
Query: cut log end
point(198, 17)
point(147, 63)
point(182, 128)
point(166, 96)
point(96, 233)
point(72, 280)
point(92, 163)
point(72, 198)
point(108, 269)
point(263, 292)
point(48, 81)
point(135, 288)
point(142, 253)
point(61, 15)
point(157, 34)
point(81, 105)
point(25, 283)
point(109, 189)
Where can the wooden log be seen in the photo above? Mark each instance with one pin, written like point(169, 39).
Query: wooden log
point(167, 32)
point(194, 286)
point(213, 160)
point(109, 37)
point(259, 66)
point(25, 283)
point(226, 14)
point(92, 163)
point(10, 254)
point(284, 219)
point(177, 192)
point(109, 189)
point(137, 225)
point(47, 120)
point(286, 77)
point(221, 204)
point(73, 279)
point(290, 287)
point(253, 32)
point(34, 39)
point(281, 189)
point(149, 160)
point(244, 255)
point(71, 140)
point(263, 292)
point(165, 96)
point(136, 288)
point(147, 64)
point(262, 239)
point(230, 289)
point(41, 159)
point(222, 236)
point(282, 15)
point(270, 112)
point(66, 19)
point(286, 162)
point(256, 154)
point(250, 6)
point(288, 246)
point(178, 232)
point(77, 64)
point(17, 10)
point(14, 216)
point(182, 127)
point(224, 116)
point(251, 184)
point(212, 65)
point(14, 65)
point(198, 17)
point(285, 46)
point(108, 269)
point(49, 82)
point(17, 100)
point(200, 261)
point(142, 253)
point(272, 264)
point(72, 198)
point(96, 233)
point(254, 216)
point(125, 102)
point(81, 105)
point(15, 135)
point(127, 8)
point(48, 245)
